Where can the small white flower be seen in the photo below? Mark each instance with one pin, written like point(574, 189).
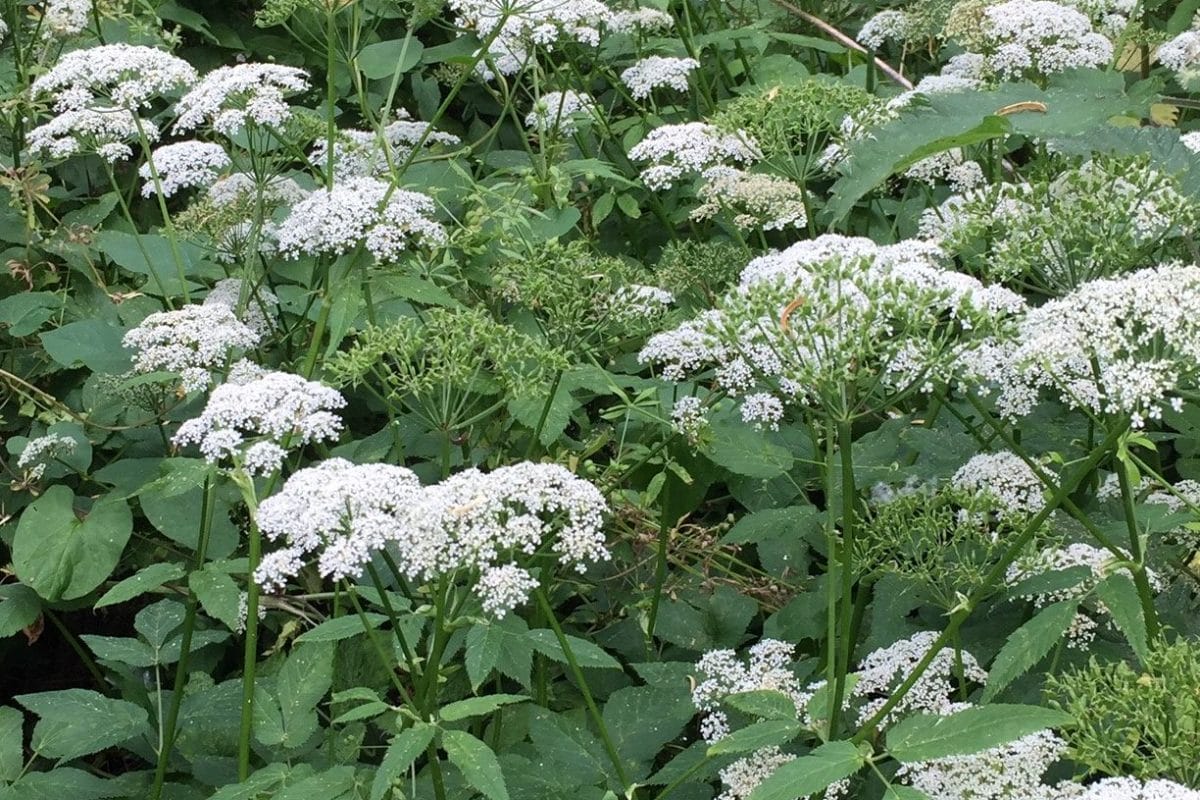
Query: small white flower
point(358, 153)
point(191, 341)
point(63, 19)
point(1042, 37)
point(104, 131)
point(127, 76)
point(227, 98)
point(656, 72)
point(184, 165)
point(560, 111)
point(1005, 477)
point(39, 453)
point(692, 147)
point(386, 221)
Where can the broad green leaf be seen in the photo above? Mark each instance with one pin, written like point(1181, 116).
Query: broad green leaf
point(790, 522)
point(140, 582)
point(60, 784)
point(90, 343)
point(765, 703)
point(476, 761)
point(62, 557)
point(24, 312)
point(928, 736)
point(76, 722)
point(586, 654)
point(501, 645)
point(267, 779)
point(1119, 594)
point(19, 608)
point(339, 628)
point(124, 649)
point(757, 736)
point(382, 59)
point(332, 784)
point(895, 792)
point(742, 450)
point(219, 595)
point(158, 621)
point(1028, 645)
point(641, 719)
point(807, 775)
point(151, 255)
point(12, 748)
point(303, 680)
point(477, 706)
point(400, 755)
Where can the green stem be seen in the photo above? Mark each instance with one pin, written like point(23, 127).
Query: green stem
point(831, 544)
point(537, 433)
point(384, 659)
point(660, 567)
point(409, 659)
point(1140, 579)
point(185, 651)
point(250, 652)
point(314, 345)
point(846, 616)
point(577, 673)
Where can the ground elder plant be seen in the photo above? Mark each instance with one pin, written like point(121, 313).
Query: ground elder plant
point(751, 400)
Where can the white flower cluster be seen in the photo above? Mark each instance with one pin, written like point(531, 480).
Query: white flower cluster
point(891, 24)
point(1004, 477)
point(1098, 561)
point(691, 147)
point(240, 187)
point(184, 165)
point(655, 72)
point(1182, 52)
point(1011, 771)
point(883, 670)
point(1191, 141)
point(832, 311)
point(62, 19)
point(472, 521)
point(358, 153)
point(638, 302)
point(191, 341)
point(639, 20)
point(341, 511)
point(484, 521)
point(1040, 37)
point(528, 24)
point(1133, 789)
point(758, 200)
point(1184, 494)
point(743, 776)
point(40, 452)
point(104, 131)
point(724, 673)
point(261, 303)
point(122, 75)
point(1116, 346)
point(386, 220)
point(950, 166)
point(560, 111)
point(256, 415)
point(688, 418)
point(228, 98)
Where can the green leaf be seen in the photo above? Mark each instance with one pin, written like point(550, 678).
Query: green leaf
point(765, 703)
point(477, 706)
point(400, 755)
point(19, 608)
point(1028, 645)
point(339, 628)
point(807, 775)
point(383, 59)
point(928, 736)
point(476, 761)
point(742, 450)
point(219, 595)
point(12, 738)
point(76, 722)
point(502, 645)
point(62, 557)
point(332, 784)
point(61, 783)
point(1119, 594)
point(756, 736)
point(90, 343)
point(151, 255)
point(641, 719)
point(303, 680)
point(25, 312)
point(586, 654)
point(895, 792)
point(772, 523)
point(140, 582)
point(267, 779)
point(123, 649)
point(158, 621)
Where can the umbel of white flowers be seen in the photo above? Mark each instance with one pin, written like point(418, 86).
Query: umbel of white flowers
point(471, 524)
